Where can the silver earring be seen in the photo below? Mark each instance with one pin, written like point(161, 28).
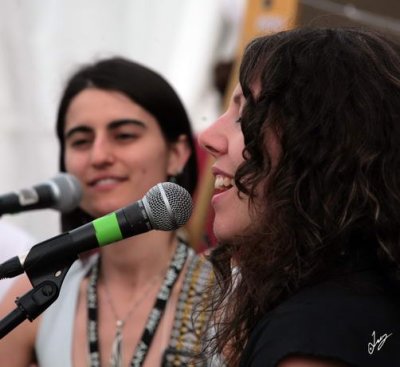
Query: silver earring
point(174, 178)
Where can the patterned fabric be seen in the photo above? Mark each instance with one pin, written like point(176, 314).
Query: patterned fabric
point(54, 342)
point(186, 340)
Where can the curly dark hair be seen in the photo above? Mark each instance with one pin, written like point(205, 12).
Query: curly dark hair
point(333, 98)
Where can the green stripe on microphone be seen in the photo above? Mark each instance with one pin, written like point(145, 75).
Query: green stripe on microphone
point(107, 229)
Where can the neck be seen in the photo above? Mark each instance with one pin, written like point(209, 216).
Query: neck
point(135, 260)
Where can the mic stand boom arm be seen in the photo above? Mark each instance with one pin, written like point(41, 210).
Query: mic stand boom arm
point(46, 281)
point(30, 305)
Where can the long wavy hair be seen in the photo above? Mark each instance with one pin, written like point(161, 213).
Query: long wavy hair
point(332, 96)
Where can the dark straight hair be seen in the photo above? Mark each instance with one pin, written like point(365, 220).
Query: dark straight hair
point(144, 87)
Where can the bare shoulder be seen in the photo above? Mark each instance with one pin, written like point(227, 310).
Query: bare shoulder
point(299, 361)
point(17, 347)
point(18, 289)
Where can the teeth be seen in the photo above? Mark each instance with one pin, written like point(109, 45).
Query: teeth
point(223, 182)
point(228, 181)
point(106, 181)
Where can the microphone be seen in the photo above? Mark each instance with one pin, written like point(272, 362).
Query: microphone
point(166, 207)
point(63, 193)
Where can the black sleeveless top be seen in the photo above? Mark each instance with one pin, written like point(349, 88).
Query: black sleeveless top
point(355, 320)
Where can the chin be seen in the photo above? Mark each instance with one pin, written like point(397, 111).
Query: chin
point(222, 234)
point(229, 232)
point(100, 211)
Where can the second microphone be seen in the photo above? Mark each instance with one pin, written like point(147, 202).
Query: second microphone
point(165, 207)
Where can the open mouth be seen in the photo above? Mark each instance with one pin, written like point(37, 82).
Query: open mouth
point(223, 183)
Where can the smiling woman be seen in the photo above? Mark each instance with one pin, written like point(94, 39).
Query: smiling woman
point(308, 261)
point(122, 129)
point(109, 140)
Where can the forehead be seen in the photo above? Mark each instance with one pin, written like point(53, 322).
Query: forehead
point(95, 105)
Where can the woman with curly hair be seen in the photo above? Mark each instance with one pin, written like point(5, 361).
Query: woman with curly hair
point(307, 203)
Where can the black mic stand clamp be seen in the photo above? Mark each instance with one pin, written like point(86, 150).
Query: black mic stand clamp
point(46, 289)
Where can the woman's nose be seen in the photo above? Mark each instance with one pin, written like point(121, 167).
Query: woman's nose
point(213, 139)
point(102, 153)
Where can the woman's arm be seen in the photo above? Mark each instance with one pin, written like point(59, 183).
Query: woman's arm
point(17, 347)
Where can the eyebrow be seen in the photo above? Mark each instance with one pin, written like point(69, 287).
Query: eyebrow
point(111, 126)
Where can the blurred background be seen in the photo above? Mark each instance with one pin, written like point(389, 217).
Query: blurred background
point(195, 44)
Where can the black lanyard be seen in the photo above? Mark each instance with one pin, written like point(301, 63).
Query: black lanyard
point(153, 321)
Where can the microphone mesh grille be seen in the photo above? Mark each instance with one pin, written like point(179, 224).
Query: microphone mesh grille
point(170, 206)
point(68, 192)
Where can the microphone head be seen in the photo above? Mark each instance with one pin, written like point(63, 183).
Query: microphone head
point(168, 206)
point(67, 192)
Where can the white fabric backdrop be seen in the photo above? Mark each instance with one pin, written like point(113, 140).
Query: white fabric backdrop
point(43, 41)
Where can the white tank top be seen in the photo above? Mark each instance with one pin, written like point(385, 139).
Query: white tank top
point(54, 338)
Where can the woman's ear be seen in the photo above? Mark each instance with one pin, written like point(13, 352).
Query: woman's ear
point(179, 153)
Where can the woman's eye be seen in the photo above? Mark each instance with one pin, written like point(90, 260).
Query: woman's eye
point(126, 136)
point(79, 143)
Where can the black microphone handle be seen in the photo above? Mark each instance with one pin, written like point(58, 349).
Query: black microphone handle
point(37, 197)
point(60, 250)
point(165, 207)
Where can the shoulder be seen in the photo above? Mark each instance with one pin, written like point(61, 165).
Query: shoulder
point(22, 337)
point(329, 320)
point(19, 288)
point(14, 239)
point(199, 274)
point(196, 281)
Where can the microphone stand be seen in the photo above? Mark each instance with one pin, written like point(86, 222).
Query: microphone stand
point(46, 281)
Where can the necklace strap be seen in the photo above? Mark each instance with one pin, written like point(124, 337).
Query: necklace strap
point(154, 318)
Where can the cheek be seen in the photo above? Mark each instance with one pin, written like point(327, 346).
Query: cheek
point(150, 166)
point(236, 148)
point(68, 162)
point(73, 164)
point(232, 221)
